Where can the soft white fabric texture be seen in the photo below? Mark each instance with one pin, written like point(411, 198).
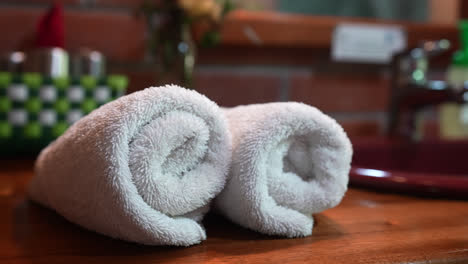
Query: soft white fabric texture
point(142, 168)
point(289, 161)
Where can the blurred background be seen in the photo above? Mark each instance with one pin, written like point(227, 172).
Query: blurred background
point(393, 73)
point(256, 51)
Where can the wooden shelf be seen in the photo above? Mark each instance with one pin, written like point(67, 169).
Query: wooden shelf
point(247, 28)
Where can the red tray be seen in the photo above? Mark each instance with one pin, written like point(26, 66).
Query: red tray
point(434, 168)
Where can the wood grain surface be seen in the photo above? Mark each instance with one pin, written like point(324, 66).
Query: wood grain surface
point(367, 227)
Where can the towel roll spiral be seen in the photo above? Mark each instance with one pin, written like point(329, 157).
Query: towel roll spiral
point(289, 161)
point(143, 168)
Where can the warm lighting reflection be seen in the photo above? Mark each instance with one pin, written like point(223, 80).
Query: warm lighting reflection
point(372, 172)
point(399, 179)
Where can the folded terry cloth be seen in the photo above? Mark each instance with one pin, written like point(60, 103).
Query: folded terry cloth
point(142, 168)
point(289, 161)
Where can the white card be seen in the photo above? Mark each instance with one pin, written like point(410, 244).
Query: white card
point(367, 43)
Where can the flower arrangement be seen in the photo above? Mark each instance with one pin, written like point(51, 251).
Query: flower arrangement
point(170, 43)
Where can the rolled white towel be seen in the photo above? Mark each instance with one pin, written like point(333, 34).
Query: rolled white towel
point(142, 168)
point(289, 161)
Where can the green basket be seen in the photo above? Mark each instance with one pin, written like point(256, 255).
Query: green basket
point(34, 110)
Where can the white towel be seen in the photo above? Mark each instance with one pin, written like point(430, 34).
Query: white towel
point(289, 161)
point(142, 168)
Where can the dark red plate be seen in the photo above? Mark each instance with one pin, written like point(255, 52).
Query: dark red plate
point(435, 168)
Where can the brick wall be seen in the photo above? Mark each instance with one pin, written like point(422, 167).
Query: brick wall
point(356, 95)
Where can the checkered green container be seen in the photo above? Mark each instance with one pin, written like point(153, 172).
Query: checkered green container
point(34, 110)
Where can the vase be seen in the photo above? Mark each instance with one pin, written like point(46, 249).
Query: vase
point(170, 49)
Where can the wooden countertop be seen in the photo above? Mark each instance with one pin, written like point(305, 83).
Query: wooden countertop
point(367, 227)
